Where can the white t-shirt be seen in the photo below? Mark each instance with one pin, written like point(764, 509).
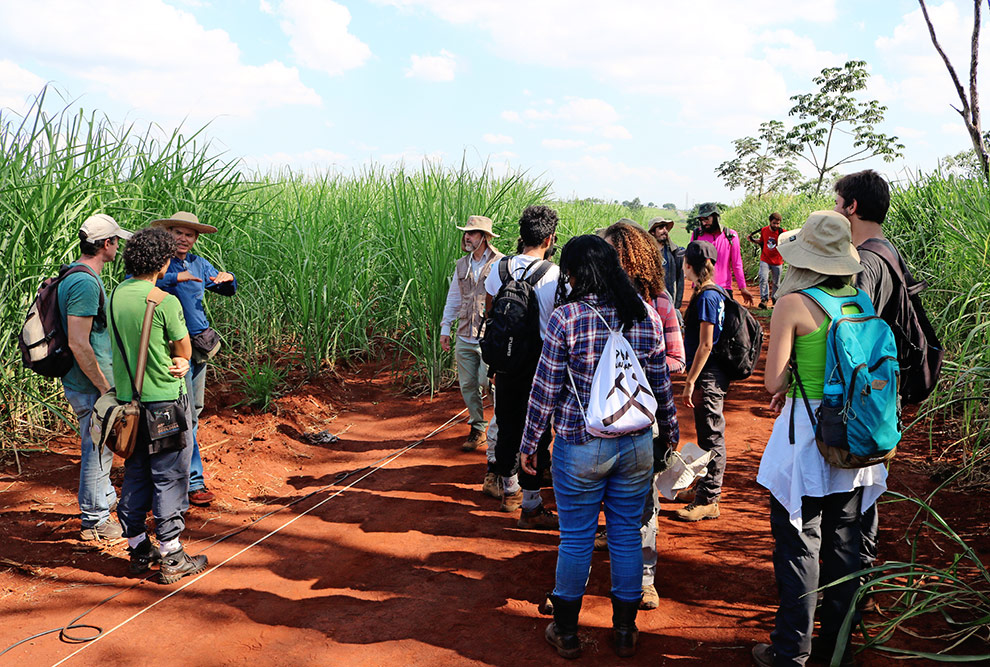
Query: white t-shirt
point(546, 288)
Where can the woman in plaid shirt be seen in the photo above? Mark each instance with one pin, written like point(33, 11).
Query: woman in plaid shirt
point(588, 471)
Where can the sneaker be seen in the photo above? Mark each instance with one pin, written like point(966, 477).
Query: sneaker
point(539, 519)
point(474, 440)
point(179, 564)
point(108, 530)
point(697, 512)
point(201, 497)
point(492, 486)
point(143, 556)
point(601, 539)
point(651, 599)
point(512, 501)
point(763, 655)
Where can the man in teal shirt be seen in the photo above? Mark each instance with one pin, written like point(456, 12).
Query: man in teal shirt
point(81, 304)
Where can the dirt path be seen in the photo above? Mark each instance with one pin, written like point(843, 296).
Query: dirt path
point(411, 565)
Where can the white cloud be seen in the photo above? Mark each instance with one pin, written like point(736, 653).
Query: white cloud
point(439, 68)
point(17, 85)
point(562, 144)
point(265, 7)
point(707, 152)
point(604, 177)
point(785, 49)
point(616, 132)
point(319, 38)
point(178, 69)
point(497, 139)
point(511, 116)
point(599, 148)
point(576, 114)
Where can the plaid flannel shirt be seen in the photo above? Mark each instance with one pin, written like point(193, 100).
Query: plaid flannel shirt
point(575, 340)
point(672, 337)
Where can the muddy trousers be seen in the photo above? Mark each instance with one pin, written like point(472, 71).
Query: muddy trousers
point(830, 533)
point(709, 396)
point(511, 400)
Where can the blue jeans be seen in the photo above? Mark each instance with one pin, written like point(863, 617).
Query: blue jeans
point(96, 493)
point(196, 388)
point(613, 471)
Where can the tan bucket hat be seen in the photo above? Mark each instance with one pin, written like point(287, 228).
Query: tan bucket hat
point(823, 245)
point(185, 219)
point(478, 223)
point(658, 222)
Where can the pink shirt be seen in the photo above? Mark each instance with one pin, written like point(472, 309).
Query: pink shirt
point(729, 255)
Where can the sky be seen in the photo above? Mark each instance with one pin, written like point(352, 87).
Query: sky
point(615, 100)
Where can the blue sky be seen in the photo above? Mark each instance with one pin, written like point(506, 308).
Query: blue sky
point(608, 99)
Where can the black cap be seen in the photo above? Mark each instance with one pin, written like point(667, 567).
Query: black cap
point(700, 249)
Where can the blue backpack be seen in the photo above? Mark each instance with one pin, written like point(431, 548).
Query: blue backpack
point(858, 423)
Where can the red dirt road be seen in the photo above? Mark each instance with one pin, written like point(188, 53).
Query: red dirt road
point(410, 565)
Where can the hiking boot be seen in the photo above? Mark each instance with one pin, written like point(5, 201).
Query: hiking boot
point(201, 497)
point(624, 631)
point(696, 511)
point(539, 519)
point(109, 530)
point(492, 486)
point(763, 305)
point(474, 440)
point(179, 564)
point(651, 599)
point(562, 631)
point(143, 556)
point(763, 655)
point(511, 501)
point(685, 496)
point(601, 539)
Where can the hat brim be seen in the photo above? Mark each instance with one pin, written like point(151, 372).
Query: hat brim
point(478, 229)
point(829, 265)
point(197, 226)
point(124, 235)
point(669, 224)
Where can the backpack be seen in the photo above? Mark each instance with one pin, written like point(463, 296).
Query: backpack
point(858, 421)
point(44, 344)
point(621, 398)
point(511, 339)
point(919, 351)
point(738, 348)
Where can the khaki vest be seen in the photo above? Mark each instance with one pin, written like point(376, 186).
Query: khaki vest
point(472, 312)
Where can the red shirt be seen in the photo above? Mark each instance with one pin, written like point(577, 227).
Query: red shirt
point(768, 241)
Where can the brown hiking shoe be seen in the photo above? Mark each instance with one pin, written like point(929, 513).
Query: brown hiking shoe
point(651, 599)
point(697, 512)
point(601, 539)
point(492, 486)
point(539, 519)
point(179, 564)
point(511, 502)
point(474, 440)
point(685, 495)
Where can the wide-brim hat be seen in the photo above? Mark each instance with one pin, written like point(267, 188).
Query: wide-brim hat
point(658, 222)
point(185, 219)
point(478, 223)
point(823, 244)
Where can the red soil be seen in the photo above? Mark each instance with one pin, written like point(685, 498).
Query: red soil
point(411, 565)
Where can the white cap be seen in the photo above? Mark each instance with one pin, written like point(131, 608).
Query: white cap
point(102, 226)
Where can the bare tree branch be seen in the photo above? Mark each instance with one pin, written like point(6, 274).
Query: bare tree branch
point(948, 65)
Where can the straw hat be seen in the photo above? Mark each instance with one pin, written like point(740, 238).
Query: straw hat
point(187, 220)
point(479, 223)
point(823, 244)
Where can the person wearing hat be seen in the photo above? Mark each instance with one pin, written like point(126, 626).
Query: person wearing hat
point(81, 305)
point(706, 383)
point(815, 508)
point(673, 259)
point(188, 277)
point(726, 242)
point(765, 239)
point(466, 305)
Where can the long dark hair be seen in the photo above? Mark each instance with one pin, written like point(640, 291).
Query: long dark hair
point(594, 266)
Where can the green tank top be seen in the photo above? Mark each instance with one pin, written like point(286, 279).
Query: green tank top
point(809, 352)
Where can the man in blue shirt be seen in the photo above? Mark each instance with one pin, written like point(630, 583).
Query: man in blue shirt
point(82, 307)
point(188, 277)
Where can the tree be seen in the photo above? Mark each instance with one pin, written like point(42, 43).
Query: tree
point(833, 111)
point(633, 205)
point(670, 207)
point(970, 110)
point(763, 164)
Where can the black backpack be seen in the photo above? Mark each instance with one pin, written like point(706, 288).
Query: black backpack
point(738, 347)
point(919, 352)
point(511, 338)
point(44, 344)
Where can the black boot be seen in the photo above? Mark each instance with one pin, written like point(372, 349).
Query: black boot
point(143, 556)
point(179, 564)
point(624, 626)
point(562, 632)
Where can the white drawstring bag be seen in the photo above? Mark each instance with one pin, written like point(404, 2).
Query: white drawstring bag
point(621, 399)
point(683, 467)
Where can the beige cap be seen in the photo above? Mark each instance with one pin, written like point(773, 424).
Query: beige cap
point(823, 244)
point(185, 219)
point(478, 223)
point(101, 226)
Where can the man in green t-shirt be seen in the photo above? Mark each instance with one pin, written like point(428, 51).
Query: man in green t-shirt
point(81, 306)
point(156, 475)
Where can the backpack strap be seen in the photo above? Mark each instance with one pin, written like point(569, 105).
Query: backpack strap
point(503, 270)
point(895, 262)
point(155, 297)
point(833, 305)
point(537, 275)
point(66, 270)
point(807, 404)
